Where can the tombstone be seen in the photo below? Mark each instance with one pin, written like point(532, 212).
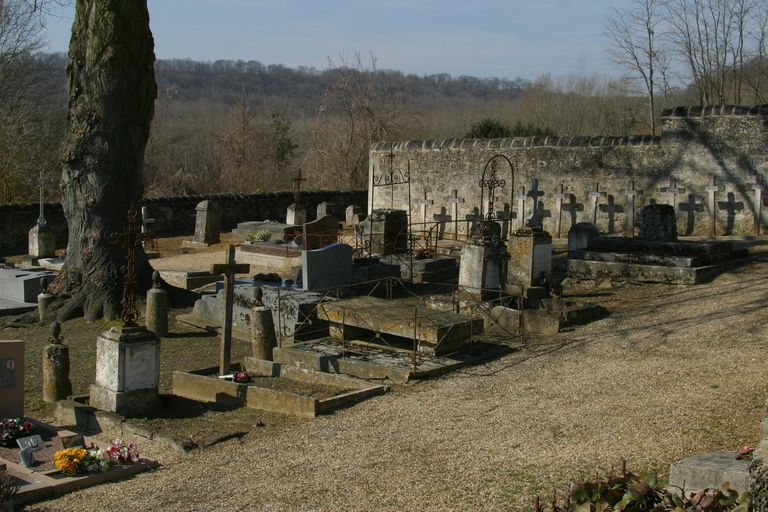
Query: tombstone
point(127, 372)
point(580, 236)
point(42, 242)
point(56, 383)
point(11, 379)
point(296, 215)
point(657, 222)
point(263, 339)
point(354, 214)
point(207, 225)
point(530, 257)
point(481, 271)
point(329, 267)
point(386, 231)
point(321, 232)
point(156, 316)
point(327, 208)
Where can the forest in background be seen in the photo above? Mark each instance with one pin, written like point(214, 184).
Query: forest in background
point(245, 126)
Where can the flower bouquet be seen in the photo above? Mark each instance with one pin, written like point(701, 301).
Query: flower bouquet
point(123, 453)
point(80, 461)
point(12, 429)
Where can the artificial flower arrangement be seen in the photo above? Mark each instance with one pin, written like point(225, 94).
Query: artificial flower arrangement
point(12, 429)
point(79, 461)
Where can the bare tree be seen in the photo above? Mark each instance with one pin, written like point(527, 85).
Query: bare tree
point(636, 47)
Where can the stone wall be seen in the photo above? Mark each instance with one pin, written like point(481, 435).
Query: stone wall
point(173, 215)
point(727, 143)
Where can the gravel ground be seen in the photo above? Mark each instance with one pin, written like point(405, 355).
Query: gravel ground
point(671, 372)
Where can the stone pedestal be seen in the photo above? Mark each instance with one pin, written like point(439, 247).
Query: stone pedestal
point(11, 379)
point(207, 225)
point(127, 372)
point(42, 242)
point(296, 215)
point(481, 271)
point(530, 257)
point(44, 300)
point(353, 214)
point(263, 333)
point(56, 383)
point(386, 231)
point(156, 317)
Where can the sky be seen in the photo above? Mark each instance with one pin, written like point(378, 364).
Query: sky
point(484, 38)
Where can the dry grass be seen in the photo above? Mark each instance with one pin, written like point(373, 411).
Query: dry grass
point(673, 371)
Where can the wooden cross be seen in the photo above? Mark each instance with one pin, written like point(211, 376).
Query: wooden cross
point(297, 187)
point(229, 268)
point(521, 199)
point(758, 187)
point(130, 240)
point(559, 196)
point(712, 190)
point(631, 193)
point(593, 198)
point(454, 200)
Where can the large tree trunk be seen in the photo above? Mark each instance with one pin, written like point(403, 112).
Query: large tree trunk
point(111, 102)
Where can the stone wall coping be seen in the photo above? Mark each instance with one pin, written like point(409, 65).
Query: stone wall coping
point(715, 110)
point(516, 143)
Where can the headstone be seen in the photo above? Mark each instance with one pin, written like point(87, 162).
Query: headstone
point(321, 232)
point(42, 242)
point(296, 215)
point(327, 208)
point(354, 214)
point(581, 235)
point(156, 317)
point(56, 383)
point(329, 267)
point(385, 231)
point(11, 379)
point(530, 257)
point(481, 270)
point(207, 225)
point(657, 222)
point(229, 268)
point(263, 333)
point(127, 372)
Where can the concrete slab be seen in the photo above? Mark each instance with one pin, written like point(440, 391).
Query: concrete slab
point(589, 269)
point(710, 470)
point(14, 307)
point(189, 279)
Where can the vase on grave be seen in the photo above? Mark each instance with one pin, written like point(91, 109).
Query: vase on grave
point(127, 371)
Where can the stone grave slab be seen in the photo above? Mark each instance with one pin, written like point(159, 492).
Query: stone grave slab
point(366, 318)
point(275, 257)
point(370, 362)
point(11, 378)
point(328, 267)
point(189, 279)
point(709, 470)
point(426, 270)
point(277, 388)
point(22, 285)
point(278, 231)
point(14, 307)
point(54, 264)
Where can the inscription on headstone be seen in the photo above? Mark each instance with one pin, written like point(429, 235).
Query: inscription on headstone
point(7, 365)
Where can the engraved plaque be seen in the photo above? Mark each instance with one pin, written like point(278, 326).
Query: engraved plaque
point(34, 443)
point(7, 366)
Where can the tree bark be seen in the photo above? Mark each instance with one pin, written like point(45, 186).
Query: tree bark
point(111, 103)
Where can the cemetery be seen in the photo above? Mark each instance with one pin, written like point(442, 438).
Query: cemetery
point(327, 315)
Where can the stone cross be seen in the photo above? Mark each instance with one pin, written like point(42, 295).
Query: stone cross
point(229, 268)
point(758, 187)
point(712, 190)
point(521, 199)
point(594, 196)
point(631, 193)
point(130, 240)
point(454, 201)
point(674, 190)
point(423, 204)
point(297, 187)
point(442, 218)
point(559, 196)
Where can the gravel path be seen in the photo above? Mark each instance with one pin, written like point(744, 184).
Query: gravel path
point(673, 371)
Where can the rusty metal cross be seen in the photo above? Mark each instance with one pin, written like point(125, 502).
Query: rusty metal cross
point(130, 240)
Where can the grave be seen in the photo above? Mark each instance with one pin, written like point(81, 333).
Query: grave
point(327, 208)
point(530, 257)
point(11, 378)
point(319, 233)
point(329, 267)
point(400, 323)
point(207, 225)
point(277, 388)
point(353, 215)
point(19, 289)
point(267, 230)
point(425, 270)
point(282, 258)
point(188, 279)
point(384, 232)
point(648, 260)
point(296, 215)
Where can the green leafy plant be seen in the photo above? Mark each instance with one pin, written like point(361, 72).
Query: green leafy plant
point(632, 493)
point(8, 486)
point(261, 235)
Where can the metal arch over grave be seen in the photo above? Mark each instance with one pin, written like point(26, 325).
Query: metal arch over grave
point(392, 178)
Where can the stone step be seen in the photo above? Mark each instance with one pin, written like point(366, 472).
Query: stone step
point(709, 470)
